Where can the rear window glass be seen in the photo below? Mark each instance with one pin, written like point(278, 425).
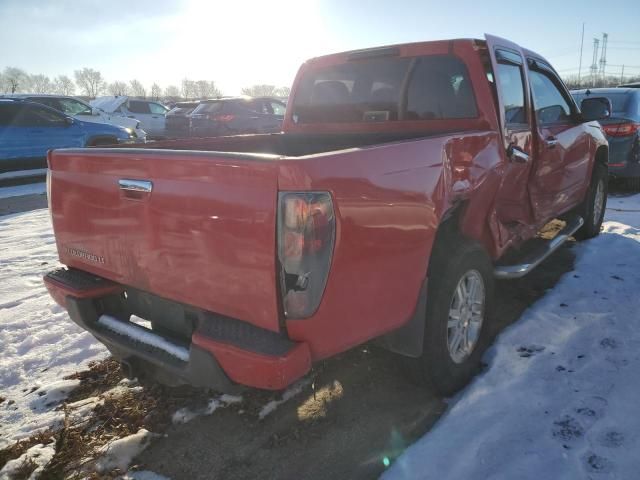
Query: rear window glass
point(618, 100)
point(386, 89)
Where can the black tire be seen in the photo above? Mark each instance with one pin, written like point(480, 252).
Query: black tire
point(436, 368)
point(593, 219)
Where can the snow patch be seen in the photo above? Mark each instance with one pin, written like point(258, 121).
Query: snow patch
point(559, 396)
point(39, 454)
point(119, 453)
point(39, 343)
point(185, 415)
point(289, 393)
point(143, 475)
point(143, 336)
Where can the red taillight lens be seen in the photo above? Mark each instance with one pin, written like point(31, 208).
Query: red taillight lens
point(306, 234)
point(223, 118)
point(621, 129)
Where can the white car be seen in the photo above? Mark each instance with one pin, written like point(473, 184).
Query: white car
point(85, 112)
point(150, 114)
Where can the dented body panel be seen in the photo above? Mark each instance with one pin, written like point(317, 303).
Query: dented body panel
point(205, 236)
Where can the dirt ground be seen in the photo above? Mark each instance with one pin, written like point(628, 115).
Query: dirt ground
point(355, 417)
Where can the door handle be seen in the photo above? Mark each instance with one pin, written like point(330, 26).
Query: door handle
point(142, 186)
point(551, 141)
point(516, 155)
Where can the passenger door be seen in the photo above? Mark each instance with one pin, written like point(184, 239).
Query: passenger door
point(509, 76)
point(47, 129)
point(14, 143)
point(158, 118)
point(561, 145)
point(141, 111)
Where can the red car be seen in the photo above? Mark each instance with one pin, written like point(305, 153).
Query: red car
point(385, 209)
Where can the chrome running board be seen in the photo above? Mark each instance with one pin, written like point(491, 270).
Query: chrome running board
point(507, 272)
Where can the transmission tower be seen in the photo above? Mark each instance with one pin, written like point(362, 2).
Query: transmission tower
point(603, 56)
point(594, 62)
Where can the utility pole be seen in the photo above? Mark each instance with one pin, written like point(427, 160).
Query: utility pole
point(594, 62)
point(581, 45)
point(622, 76)
point(603, 57)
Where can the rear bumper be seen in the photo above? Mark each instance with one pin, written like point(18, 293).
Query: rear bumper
point(222, 352)
point(624, 169)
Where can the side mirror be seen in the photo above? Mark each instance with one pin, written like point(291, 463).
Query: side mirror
point(69, 121)
point(95, 111)
point(595, 108)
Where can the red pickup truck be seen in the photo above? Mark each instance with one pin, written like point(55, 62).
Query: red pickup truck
point(405, 181)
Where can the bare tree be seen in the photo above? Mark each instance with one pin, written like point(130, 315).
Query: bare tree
point(189, 89)
point(207, 89)
point(63, 85)
point(118, 88)
point(90, 82)
point(156, 92)
point(40, 84)
point(283, 91)
point(259, 90)
point(172, 92)
point(16, 80)
point(137, 89)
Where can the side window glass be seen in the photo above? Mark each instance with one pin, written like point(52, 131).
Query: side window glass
point(32, 116)
point(278, 108)
point(511, 84)
point(549, 103)
point(157, 109)
point(139, 107)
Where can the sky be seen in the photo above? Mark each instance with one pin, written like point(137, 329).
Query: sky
point(238, 43)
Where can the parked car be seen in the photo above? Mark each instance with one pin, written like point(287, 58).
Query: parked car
point(28, 130)
point(151, 115)
point(630, 85)
point(622, 129)
point(406, 179)
point(241, 115)
point(178, 119)
point(75, 107)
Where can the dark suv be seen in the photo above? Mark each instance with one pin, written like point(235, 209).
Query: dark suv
point(232, 116)
point(178, 119)
point(622, 129)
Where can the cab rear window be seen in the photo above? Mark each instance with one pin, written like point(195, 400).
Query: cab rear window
point(386, 90)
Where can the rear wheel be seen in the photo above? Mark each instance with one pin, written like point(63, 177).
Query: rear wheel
point(592, 210)
point(459, 301)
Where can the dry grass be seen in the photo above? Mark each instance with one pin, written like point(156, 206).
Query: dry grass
point(118, 416)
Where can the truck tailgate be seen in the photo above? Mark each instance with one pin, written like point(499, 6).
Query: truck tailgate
point(204, 235)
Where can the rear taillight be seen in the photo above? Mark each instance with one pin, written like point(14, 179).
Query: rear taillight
point(621, 129)
point(306, 234)
point(223, 118)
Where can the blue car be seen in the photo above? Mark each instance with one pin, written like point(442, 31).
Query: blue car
point(622, 129)
point(29, 130)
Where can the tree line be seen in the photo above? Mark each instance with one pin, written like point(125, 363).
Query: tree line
point(90, 83)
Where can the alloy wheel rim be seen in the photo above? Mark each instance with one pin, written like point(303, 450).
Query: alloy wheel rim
point(466, 315)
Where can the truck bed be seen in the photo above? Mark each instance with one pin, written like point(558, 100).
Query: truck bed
point(286, 144)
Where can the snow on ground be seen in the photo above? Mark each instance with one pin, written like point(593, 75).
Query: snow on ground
point(559, 398)
point(39, 344)
point(185, 415)
point(288, 394)
point(39, 454)
point(29, 189)
point(119, 453)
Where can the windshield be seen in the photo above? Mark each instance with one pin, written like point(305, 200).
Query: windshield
point(386, 89)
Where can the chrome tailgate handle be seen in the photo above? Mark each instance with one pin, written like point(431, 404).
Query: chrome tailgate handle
point(144, 186)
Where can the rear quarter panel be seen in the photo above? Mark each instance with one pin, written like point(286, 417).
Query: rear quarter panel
point(389, 201)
